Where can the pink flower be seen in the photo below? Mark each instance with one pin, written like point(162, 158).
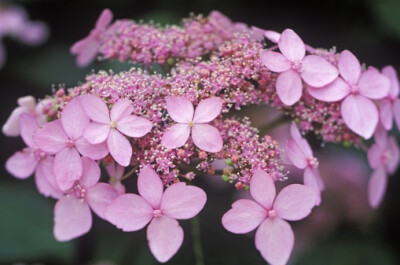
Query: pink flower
point(301, 155)
point(31, 159)
point(357, 89)
point(384, 158)
point(389, 107)
point(294, 66)
point(116, 172)
point(204, 136)
point(72, 217)
point(86, 49)
point(131, 212)
point(64, 138)
point(110, 126)
point(274, 236)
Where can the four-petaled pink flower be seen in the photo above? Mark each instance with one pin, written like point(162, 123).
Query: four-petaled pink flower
point(116, 172)
point(294, 66)
point(358, 111)
point(383, 158)
point(274, 237)
point(86, 49)
point(110, 126)
point(389, 107)
point(301, 155)
point(72, 217)
point(204, 136)
point(131, 212)
point(64, 138)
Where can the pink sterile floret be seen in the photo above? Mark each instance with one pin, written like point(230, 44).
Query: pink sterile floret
point(131, 212)
point(390, 106)
point(357, 89)
point(64, 138)
point(204, 136)
point(86, 49)
point(274, 237)
point(116, 172)
point(111, 126)
point(72, 217)
point(294, 66)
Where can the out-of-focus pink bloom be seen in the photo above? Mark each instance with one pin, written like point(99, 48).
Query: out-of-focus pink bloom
point(31, 159)
point(86, 49)
point(294, 66)
point(384, 158)
point(301, 155)
point(274, 237)
point(204, 136)
point(64, 138)
point(357, 89)
point(72, 217)
point(115, 171)
point(111, 126)
point(389, 107)
point(131, 212)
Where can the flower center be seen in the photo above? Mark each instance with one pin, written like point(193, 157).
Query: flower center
point(78, 191)
point(386, 157)
point(297, 66)
point(157, 213)
point(191, 123)
point(39, 154)
point(70, 143)
point(354, 89)
point(113, 124)
point(271, 213)
point(312, 162)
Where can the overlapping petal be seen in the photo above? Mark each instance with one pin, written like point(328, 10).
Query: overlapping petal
point(317, 71)
point(121, 109)
point(22, 164)
point(289, 87)
point(176, 135)
point(74, 119)
point(120, 148)
point(100, 196)
point(349, 67)
point(67, 167)
point(207, 138)
point(377, 187)
point(262, 189)
point(95, 108)
point(51, 138)
point(134, 126)
point(208, 110)
point(180, 109)
point(291, 46)
point(28, 125)
point(275, 61)
point(150, 186)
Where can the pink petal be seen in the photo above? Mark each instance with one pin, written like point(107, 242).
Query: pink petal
point(390, 73)
point(289, 87)
point(349, 67)
point(262, 189)
point(120, 148)
point(28, 102)
point(295, 202)
point(207, 138)
point(375, 153)
point(96, 133)
point(129, 212)
point(72, 218)
point(374, 85)
point(22, 164)
point(275, 240)
point(275, 61)
point(180, 109)
point(182, 202)
point(245, 216)
point(105, 19)
point(386, 114)
point(51, 138)
point(93, 151)
point(134, 126)
point(165, 237)
point(44, 173)
point(208, 110)
point(11, 127)
point(312, 180)
point(67, 168)
point(79, 46)
point(176, 135)
point(121, 109)
point(88, 52)
point(396, 112)
point(317, 71)
point(115, 171)
point(393, 161)
point(291, 46)
point(377, 187)
point(100, 197)
point(91, 173)
point(272, 35)
point(150, 186)
point(295, 154)
point(300, 141)
point(381, 137)
point(28, 125)
point(95, 108)
point(360, 115)
point(74, 119)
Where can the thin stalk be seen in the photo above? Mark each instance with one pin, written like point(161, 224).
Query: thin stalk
point(197, 248)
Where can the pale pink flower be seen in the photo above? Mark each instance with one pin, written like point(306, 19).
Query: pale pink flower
point(357, 89)
point(301, 155)
point(31, 160)
point(384, 158)
point(294, 66)
point(204, 136)
point(116, 172)
point(72, 217)
point(111, 126)
point(64, 138)
point(86, 49)
point(389, 107)
point(274, 237)
point(131, 212)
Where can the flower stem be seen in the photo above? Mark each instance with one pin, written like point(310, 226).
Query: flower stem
point(197, 248)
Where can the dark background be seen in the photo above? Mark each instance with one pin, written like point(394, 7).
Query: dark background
point(369, 28)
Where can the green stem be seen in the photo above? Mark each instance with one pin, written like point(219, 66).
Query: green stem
point(197, 248)
point(130, 172)
point(273, 124)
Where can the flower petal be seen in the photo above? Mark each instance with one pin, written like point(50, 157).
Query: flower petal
point(349, 67)
point(91, 173)
point(208, 110)
point(295, 154)
point(272, 35)
point(396, 112)
point(22, 164)
point(74, 119)
point(165, 237)
point(121, 109)
point(374, 85)
point(72, 218)
point(120, 148)
point(150, 186)
point(45, 179)
point(93, 151)
point(313, 180)
point(28, 125)
point(291, 45)
point(134, 126)
point(360, 115)
point(245, 216)
point(393, 161)
point(332, 92)
point(51, 138)
point(386, 114)
point(104, 19)
point(96, 133)
point(95, 108)
point(176, 135)
point(275, 240)
point(207, 138)
point(377, 187)
point(375, 153)
point(390, 73)
point(317, 71)
point(180, 109)
point(67, 167)
point(295, 202)
point(300, 141)
point(275, 61)
point(100, 196)
point(289, 87)
point(88, 51)
point(262, 189)
point(11, 126)
point(182, 202)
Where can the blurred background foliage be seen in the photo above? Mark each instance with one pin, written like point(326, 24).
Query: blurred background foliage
point(369, 28)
